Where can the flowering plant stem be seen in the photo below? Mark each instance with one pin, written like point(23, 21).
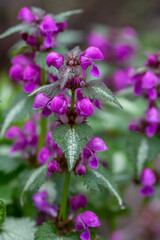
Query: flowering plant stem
point(72, 99)
point(62, 212)
point(43, 123)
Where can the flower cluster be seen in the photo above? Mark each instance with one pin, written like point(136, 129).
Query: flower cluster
point(43, 28)
point(119, 47)
point(146, 84)
point(148, 180)
point(58, 164)
point(26, 139)
point(82, 221)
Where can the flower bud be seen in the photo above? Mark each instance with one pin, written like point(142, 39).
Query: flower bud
point(59, 104)
point(26, 14)
point(53, 167)
point(97, 145)
point(80, 169)
point(16, 72)
point(149, 80)
point(54, 59)
point(153, 115)
point(84, 107)
point(148, 177)
point(78, 201)
point(43, 155)
point(40, 101)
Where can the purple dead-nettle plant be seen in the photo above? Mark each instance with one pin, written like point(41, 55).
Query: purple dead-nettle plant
point(58, 78)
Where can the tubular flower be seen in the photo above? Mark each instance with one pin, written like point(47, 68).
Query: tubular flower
point(148, 179)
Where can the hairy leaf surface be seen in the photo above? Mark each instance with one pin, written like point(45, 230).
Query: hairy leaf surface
point(97, 90)
point(72, 140)
point(18, 229)
point(97, 179)
point(50, 90)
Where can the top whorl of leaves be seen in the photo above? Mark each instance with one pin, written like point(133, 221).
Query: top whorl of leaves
point(97, 90)
point(50, 90)
point(72, 140)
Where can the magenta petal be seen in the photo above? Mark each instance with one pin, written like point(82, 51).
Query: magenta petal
point(147, 191)
point(152, 93)
point(16, 72)
point(94, 53)
point(21, 59)
point(13, 132)
point(59, 104)
point(46, 112)
point(93, 163)
point(30, 128)
point(87, 218)
point(151, 129)
point(97, 104)
point(84, 107)
point(78, 201)
point(29, 72)
point(48, 41)
point(48, 25)
point(85, 62)
point(26, 14)
point(97, 144)
point(43, 155)
point(148, 177)
point(153, 115)
point(85, 235)
point(40, 101)
point(95, 71)
point(29, 87)
point(54, 59)
point(149, 80)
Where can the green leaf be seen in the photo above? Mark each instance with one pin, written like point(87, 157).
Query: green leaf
point(20, 109)
point(9, 164)
point(47, 231)
point(97, 90)
point(12, 30)
point(18, 229)
point(36, 179)
point(2, 212)
point(18, 28)
point(65, 15)
point(18, 48)
point(41, 59)
point(142, 156)
point(50, 90)
point(72, 140)
point(97, 179)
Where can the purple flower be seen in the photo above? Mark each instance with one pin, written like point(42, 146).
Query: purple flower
point(93, 163)
point(25, 139)
point(153, 115)
point(84, 107)
point(148, 179)
point(43, 155)
point(54, 59)
point(149, 80)
point(123, 51)
point(147, 191)
point(151, 129)
point(53, 167)
point(84, 221)
point(97, 145)
point(78, 201)
point(80, 169)
point(40, 101)
point(98, 40)
point(86, 59)
point(16, 72)
point(59, 104)
point(43, 205)
point(26, 15)
point(47, 27)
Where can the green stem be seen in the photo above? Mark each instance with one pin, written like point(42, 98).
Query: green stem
point(72, 99)
point(62, 213)
point(43, 123)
